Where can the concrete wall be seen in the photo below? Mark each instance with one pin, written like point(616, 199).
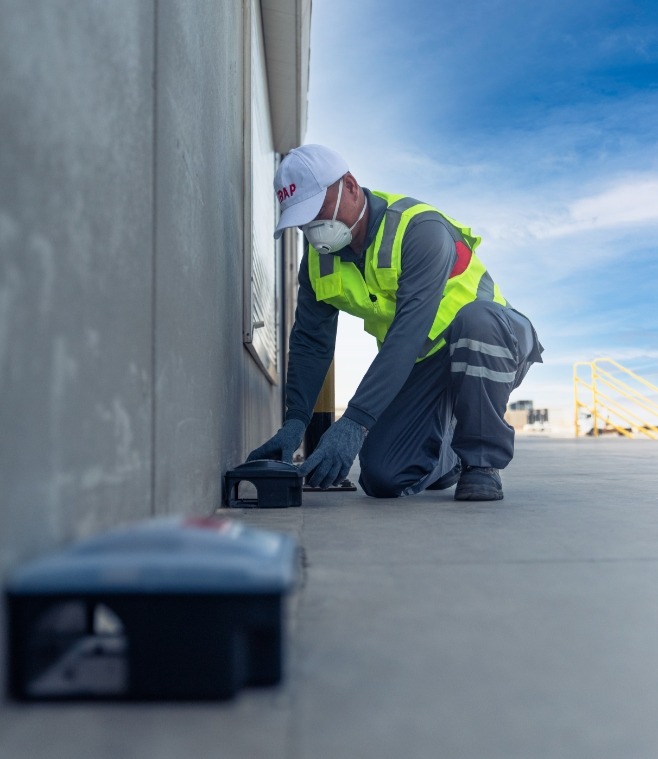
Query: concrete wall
point(124, 383)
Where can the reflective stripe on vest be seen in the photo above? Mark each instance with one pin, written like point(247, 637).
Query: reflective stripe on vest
point(371, 296)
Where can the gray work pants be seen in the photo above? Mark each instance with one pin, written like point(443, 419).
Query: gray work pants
point(452, 405)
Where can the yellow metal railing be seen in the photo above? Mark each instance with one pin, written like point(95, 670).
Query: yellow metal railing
point(612, 403)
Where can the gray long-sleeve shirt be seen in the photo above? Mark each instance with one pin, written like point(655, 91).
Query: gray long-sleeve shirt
point(428, 256)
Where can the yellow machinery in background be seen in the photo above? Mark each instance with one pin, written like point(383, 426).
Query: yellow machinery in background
point(614, 400)
point(324, 413)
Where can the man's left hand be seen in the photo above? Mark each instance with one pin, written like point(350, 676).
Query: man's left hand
point(330, 462)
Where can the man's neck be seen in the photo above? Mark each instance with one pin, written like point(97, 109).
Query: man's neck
point(357, 245)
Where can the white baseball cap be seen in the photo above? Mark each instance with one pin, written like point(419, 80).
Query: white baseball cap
point(301, 183)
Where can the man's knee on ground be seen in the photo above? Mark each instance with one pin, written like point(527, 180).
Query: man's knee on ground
point(377, 482)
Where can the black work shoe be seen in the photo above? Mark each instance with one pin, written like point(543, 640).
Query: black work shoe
point(447, 480)
point(479, 484)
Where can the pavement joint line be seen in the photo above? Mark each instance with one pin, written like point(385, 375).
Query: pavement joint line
point(513, 562)
point(293, 731)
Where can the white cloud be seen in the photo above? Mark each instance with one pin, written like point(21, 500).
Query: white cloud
point(631, 201)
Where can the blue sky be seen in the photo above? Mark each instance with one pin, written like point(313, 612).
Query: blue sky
point(536, 125)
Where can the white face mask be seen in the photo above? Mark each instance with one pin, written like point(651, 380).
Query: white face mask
point(331, 236)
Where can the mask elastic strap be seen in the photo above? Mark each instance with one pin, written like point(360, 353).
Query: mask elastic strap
point(363, 210)
point(340, 193)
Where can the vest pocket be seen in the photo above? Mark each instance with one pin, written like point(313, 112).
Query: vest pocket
point(329, 286)
point(387, 279)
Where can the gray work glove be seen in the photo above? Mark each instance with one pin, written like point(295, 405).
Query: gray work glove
point(330, 462)
point(283, 445)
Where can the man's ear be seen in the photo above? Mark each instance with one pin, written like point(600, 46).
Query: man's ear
point(351, 186)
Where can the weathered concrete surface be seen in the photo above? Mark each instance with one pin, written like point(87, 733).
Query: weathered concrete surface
point(200, 396)
point(76, 250)
point(427, 628)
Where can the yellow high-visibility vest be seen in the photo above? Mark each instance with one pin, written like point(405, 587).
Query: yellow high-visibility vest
point(372, 296)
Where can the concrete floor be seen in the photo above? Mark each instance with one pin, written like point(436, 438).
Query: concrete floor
point(427, 628)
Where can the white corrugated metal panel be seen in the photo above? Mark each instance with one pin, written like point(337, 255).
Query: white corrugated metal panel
point(277, 34)
point(262, 286)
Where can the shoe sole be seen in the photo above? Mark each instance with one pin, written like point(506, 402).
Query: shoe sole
point(477, 494)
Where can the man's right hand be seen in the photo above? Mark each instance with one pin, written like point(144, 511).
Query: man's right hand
point(283, 445)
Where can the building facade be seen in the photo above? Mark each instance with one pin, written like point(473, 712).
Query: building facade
point(143, 301)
